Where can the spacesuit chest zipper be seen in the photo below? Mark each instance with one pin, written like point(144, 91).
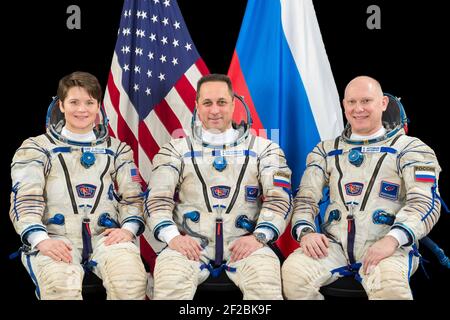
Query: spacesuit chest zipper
point(87, 243)
point(351, 237)
point(219, 242)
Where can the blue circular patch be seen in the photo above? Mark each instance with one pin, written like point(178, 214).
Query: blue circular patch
point(355, 157)
point(87, 159)
point(220, 163)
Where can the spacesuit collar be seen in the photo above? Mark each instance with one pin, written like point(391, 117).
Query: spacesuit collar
point(394, 121)
point(80, 137)
point(242, 129)
point(227, 137)
point(55, 123)
point(347, 136)
point(377, 134)
point(239, 133)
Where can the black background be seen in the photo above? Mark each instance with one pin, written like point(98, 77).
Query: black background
point(407, 56)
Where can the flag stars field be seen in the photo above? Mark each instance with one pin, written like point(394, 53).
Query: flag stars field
point(127, 13)
point(126, 31)
point(138, 51)
point(140, 33)
point(141, 14)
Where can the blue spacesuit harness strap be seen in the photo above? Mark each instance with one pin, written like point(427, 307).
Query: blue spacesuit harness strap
point(435, 195)
point(215, 271)
point(364, 149)
point(351, 270)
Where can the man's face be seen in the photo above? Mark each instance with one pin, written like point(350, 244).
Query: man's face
point(215, 106)
point(364, 105)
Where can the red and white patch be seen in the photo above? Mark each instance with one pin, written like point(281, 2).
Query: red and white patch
point(281, 179)
point(424, 174)
point(135, 176)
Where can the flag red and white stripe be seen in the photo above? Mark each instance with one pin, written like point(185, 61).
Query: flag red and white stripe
point(150, 95)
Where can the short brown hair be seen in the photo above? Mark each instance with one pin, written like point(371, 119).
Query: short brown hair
point(215, 77)
point(80, 79)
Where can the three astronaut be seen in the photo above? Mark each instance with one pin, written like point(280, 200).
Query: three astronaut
point(219, 197)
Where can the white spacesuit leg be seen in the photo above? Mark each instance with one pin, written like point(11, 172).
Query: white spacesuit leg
point(176, 277)
point(121, 269)
point(389, 280)
point(55, 280)
point(258, 276)
point(303, 276)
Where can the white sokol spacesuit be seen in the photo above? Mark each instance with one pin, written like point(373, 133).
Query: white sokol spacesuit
point(72, 191)
point(387, 185)
point(216, 194)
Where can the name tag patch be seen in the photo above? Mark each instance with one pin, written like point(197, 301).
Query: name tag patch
point(97, 150)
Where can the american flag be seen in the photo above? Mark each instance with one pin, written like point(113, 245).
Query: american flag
point(151, 88)
point(135, 176)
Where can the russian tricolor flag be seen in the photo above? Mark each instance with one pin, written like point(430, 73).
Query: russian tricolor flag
point(281, 68)
point(425, 175)
point(281, 181)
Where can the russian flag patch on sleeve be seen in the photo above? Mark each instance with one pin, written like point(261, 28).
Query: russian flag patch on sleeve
point(424, 174)
point(281, 179)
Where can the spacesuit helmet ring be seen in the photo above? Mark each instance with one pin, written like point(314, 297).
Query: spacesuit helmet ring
point(55, 121)
point(242, 121)
point(393, 119)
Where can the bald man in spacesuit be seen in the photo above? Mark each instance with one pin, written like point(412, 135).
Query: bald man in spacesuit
point(76, 201)
point(205, 193)
point(382, 201)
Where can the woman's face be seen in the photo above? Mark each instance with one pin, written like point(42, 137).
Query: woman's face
point(80, 110)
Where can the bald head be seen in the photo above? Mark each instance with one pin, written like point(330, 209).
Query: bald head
point(364, 104)
point(364, 82)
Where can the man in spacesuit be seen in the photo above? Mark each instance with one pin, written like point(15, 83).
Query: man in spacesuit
point(383, 199)
point(217, 197)
point(76, 201)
